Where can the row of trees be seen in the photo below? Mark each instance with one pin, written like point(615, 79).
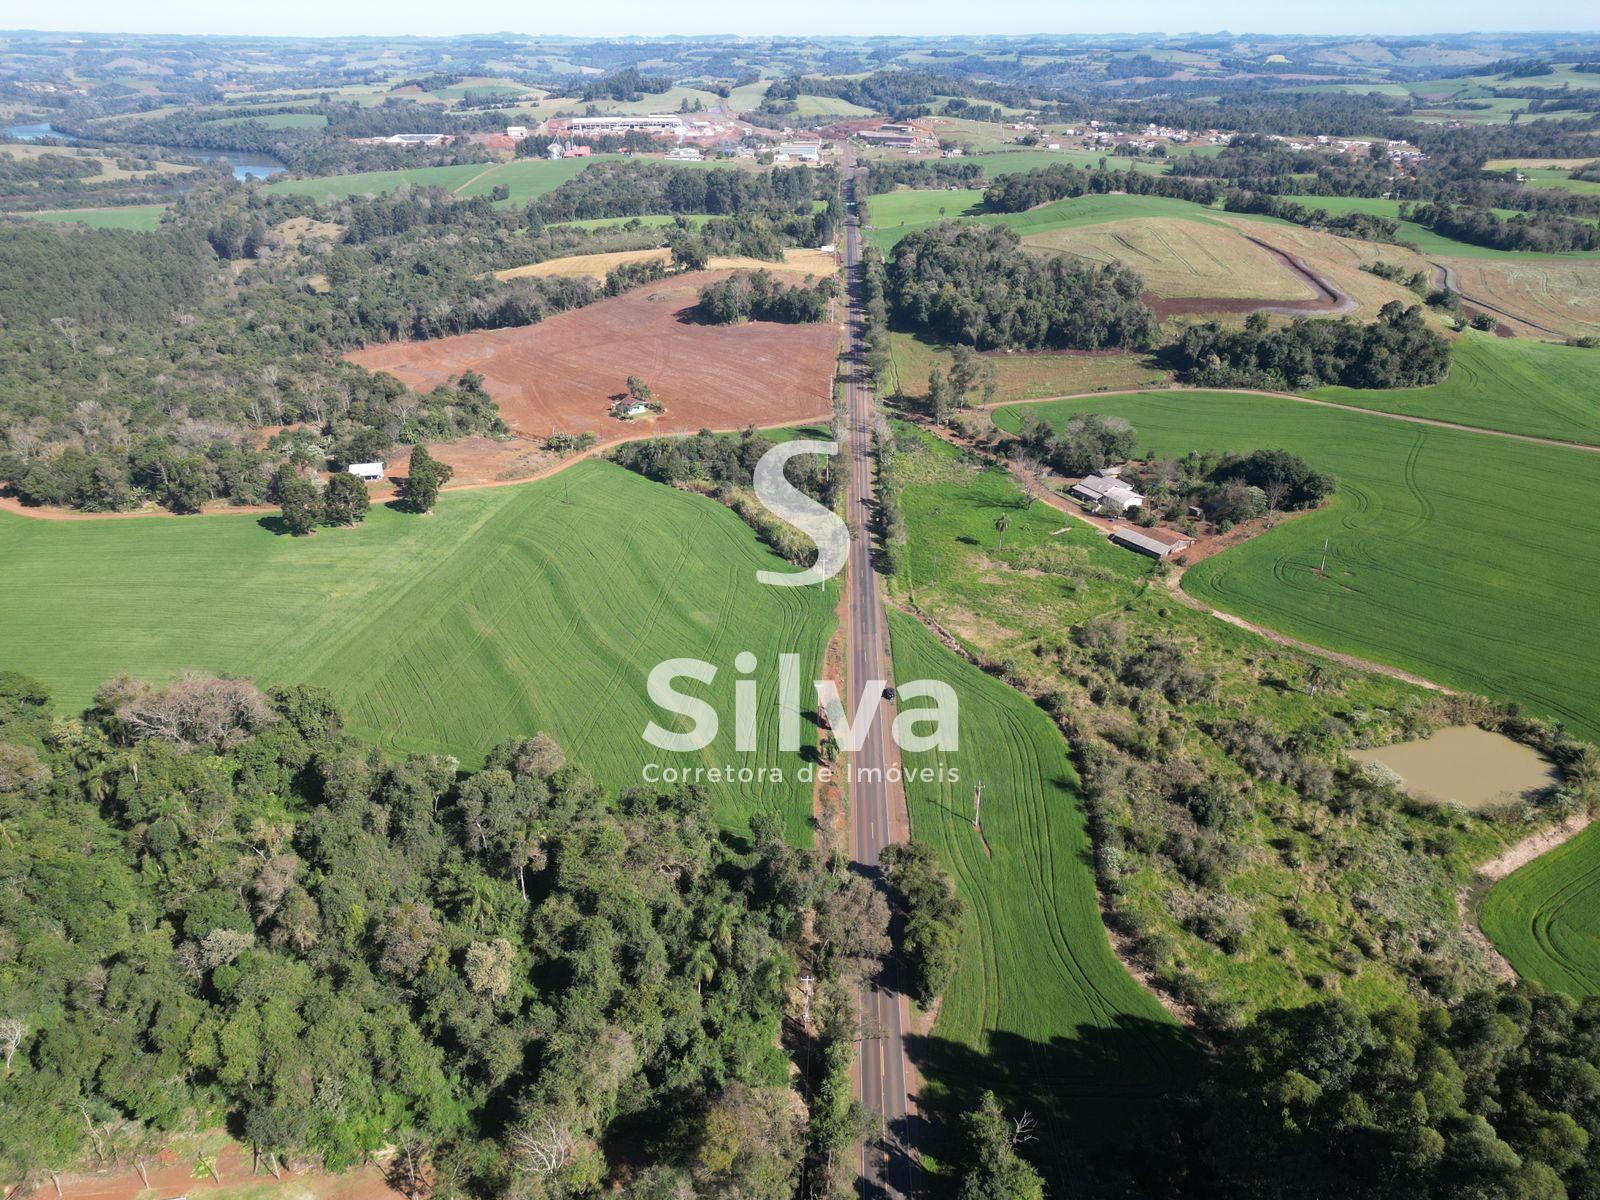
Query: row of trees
point(1540, 232)
point(1023, 190)
point(635, 188)
point(931, 912)
point(1367, 226)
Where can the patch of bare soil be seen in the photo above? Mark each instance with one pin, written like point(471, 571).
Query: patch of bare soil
point(565, 372)
point(171, 1174)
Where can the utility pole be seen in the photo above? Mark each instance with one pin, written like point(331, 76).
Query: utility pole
point(805, 990)
point(977, 804)
point(1323, 569)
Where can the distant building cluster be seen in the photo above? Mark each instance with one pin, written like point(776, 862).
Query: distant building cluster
point(899, 135)
point(408, 139)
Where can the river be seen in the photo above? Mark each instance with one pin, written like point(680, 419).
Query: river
point(245, 165)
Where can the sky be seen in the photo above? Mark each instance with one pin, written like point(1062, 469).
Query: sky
point(603, 18)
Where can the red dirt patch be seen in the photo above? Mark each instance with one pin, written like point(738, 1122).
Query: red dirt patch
point(564, 372)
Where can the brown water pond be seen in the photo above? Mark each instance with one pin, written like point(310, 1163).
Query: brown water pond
point(1465, 765)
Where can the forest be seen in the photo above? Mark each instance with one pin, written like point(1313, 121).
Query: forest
point(757, 296)
point(223, 907)
point(974, 284)
point(220, 906)
point(132, 366)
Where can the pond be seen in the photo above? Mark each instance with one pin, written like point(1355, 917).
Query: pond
point(1467, 766)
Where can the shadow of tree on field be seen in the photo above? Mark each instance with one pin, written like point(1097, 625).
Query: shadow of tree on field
point(1105, 1099)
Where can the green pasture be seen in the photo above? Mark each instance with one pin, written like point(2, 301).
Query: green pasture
point(140, 217)
point(1548, 177)
point(1463, 557)
point(510, 610)
point(895, 214)
point(528, 178)
point(1511, 384)
point(377, 183)
point(278, 121)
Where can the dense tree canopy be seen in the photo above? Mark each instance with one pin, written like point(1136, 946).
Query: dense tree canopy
point(756, 296)
point(1397, 350)
point(215, 903)
point(975, 285)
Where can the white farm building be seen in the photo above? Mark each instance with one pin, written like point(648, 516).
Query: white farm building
point(1107, 492)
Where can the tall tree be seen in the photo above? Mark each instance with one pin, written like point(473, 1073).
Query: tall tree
point(345, 500)
point(301, 501)
point(424, 477)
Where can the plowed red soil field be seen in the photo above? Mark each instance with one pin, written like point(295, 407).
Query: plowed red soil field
point(564, 372)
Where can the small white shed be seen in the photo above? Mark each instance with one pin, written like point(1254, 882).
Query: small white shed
point(370, 472)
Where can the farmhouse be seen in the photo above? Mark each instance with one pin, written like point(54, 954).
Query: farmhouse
point(684, 154)
point(1106, 491)
point(1157, 543)
point(367, 472)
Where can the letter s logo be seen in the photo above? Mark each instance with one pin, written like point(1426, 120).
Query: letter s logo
point(793, 507)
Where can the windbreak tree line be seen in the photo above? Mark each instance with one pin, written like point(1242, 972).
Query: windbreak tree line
point(1060, 181)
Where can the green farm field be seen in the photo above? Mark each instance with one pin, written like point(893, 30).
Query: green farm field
point(1427, 241)
point(1437, 562)
point(376, 183)
point(528, 179)
point(1545, 917)
point(1554, 177)
point(1040, 1009)
point(895, 214)
point(1516, 385)
point(142, 218)
point(510, 610)
point(279, 121)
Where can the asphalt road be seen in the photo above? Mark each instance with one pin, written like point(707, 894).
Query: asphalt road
point(877, 802)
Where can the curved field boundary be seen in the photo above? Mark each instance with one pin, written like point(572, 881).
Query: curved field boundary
point(1434, 422)
point(1429, 568)
point(1334, 302)
point(1040, 1009)
point(505, 612)
point(1545, 916)
point(1450, 281)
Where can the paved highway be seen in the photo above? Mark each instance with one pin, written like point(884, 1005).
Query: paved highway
point(877, 802)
